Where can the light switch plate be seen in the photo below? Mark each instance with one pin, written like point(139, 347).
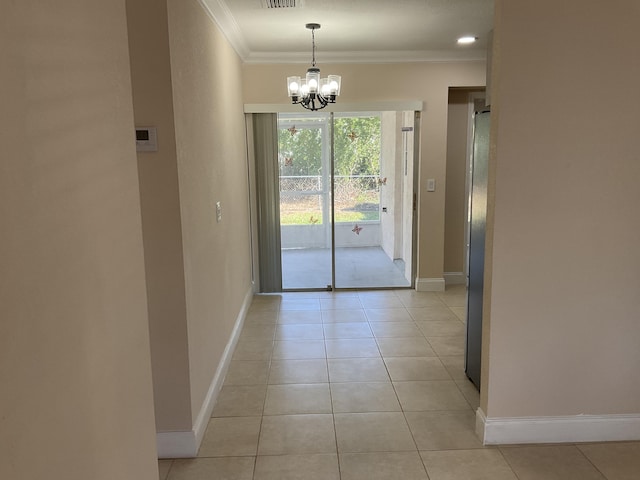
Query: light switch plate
point(431, 185)
point(218, 212)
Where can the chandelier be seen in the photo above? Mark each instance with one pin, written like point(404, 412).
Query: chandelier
point(314, 93)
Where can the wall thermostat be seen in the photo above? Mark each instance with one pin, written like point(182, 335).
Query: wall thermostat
point(146, 139)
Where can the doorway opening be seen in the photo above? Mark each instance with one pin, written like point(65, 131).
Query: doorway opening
point(346, 200)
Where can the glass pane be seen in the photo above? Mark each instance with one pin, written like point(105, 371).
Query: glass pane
point(304, 202)
point(373, 189)
point(368, 208)
point(357, 198)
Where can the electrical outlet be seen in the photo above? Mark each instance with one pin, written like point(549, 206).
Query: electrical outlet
point(218, 212)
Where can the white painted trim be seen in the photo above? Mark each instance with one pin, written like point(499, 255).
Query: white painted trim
point(177, 444)
point(326, 57)
point(218, 11)
point(185, 444)
point(481, 418)
point(221, 15)
point(454, 278)
point(221, 372)
point(399, 106)
point(566, 429)
point(430, 284)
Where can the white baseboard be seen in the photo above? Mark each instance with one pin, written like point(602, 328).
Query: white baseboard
point(481, 419)
point(454, 278)
point(177, 444)
point(430, 284)
point(186, 444)
point(569, 429)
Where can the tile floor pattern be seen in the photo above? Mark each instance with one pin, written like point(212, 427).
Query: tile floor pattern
point(367, 386)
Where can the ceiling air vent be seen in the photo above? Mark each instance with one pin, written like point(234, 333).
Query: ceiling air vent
point(282, 3)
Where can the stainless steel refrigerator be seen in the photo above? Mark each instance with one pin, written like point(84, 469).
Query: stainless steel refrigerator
point(477, 230)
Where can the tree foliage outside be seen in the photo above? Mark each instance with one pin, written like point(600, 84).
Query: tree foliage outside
point(301, 153)
point(357, 168)
point(360, 156)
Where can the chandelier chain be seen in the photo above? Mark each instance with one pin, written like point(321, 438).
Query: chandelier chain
point(313, 47)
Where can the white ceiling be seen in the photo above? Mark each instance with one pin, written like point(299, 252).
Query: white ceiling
point(355, 30)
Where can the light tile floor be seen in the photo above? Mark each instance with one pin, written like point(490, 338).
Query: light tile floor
point(367, 386)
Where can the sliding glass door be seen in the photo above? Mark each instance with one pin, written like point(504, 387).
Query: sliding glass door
point(305, 202)
point(344, 179)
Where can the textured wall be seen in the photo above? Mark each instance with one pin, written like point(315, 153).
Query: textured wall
point(75, 368)
point(212, 167)
point(161, 223)
point(565, 274)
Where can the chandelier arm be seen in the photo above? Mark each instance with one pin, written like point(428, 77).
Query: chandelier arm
point(309, 102)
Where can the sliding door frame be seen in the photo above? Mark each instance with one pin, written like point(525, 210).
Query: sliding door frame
point(332, 176)
point(415, 106)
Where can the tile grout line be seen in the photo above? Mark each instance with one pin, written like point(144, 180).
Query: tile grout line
point(264, 403)
point(169, 470)
point(333, 413)
point(333, 416)
point(404, 414)
point(507, 463)
point(590, 462)
point(324, 338)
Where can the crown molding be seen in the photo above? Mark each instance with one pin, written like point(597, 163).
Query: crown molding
point(438, 56)
point(222, 17)
point(218, 11)
point(385, 106)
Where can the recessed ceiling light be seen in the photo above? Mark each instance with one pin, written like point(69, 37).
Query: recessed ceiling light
point(467, 40)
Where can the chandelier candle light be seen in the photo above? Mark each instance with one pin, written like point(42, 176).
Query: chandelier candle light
point(315, 93)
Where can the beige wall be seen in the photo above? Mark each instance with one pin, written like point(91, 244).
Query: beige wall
point(160, 200)
point(564, 272)
point(75, 369)
point(212, 167)
point(428, 82)
point(457, 138)
point(457, 164)
point(186, 81)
